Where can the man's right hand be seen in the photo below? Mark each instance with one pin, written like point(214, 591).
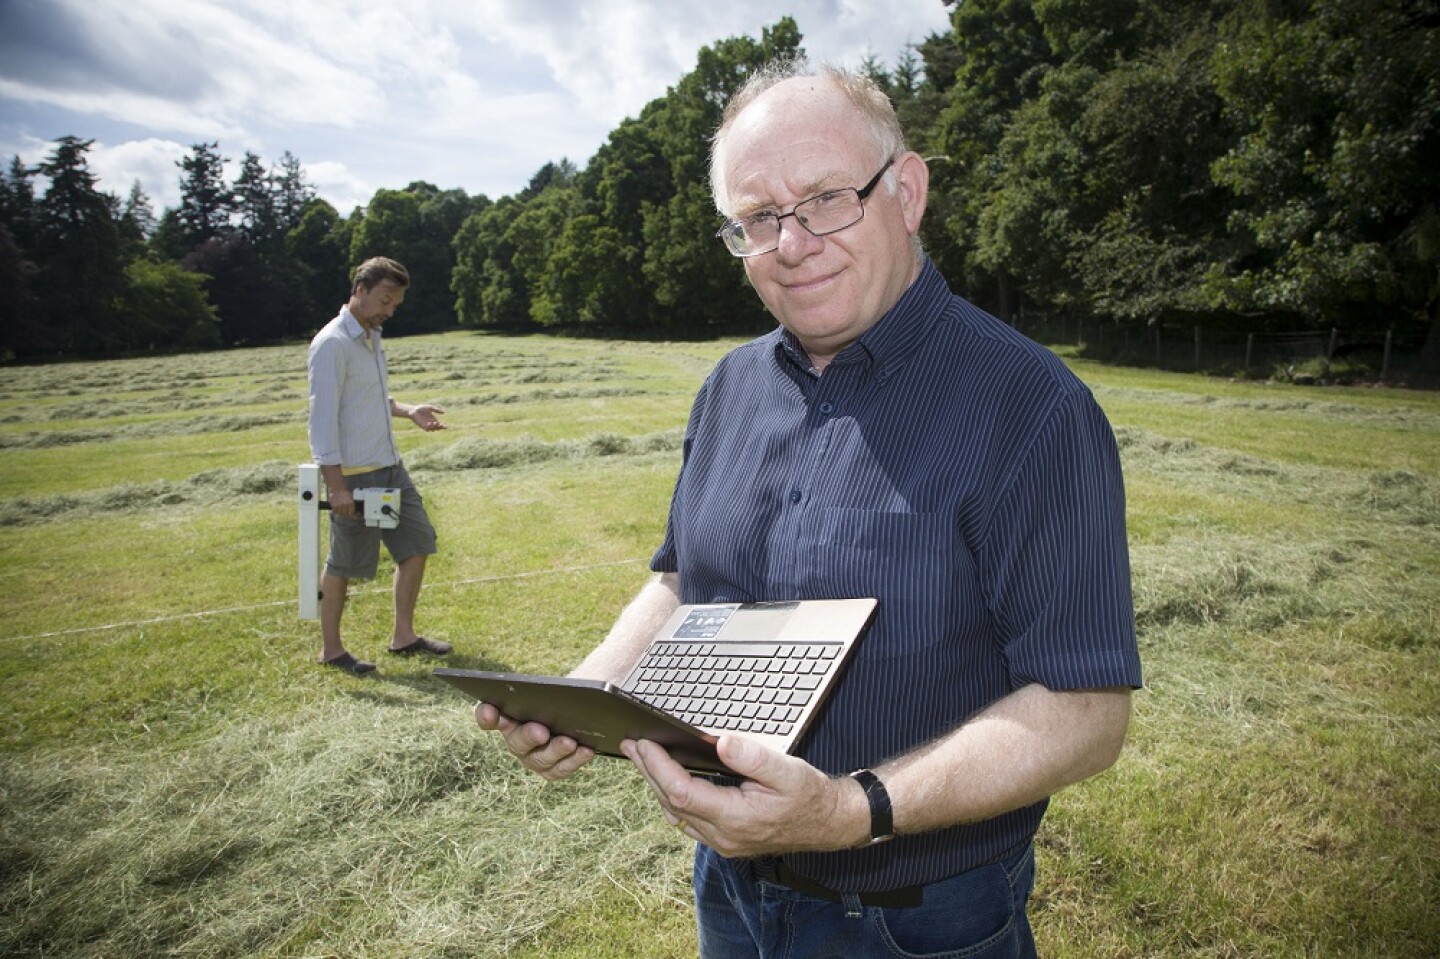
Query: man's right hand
point(550, 757)
point(342, 503)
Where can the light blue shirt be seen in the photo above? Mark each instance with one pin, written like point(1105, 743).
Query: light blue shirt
point(350, 398)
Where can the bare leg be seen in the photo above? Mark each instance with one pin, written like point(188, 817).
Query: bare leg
point(332, 603)
point(408, 577)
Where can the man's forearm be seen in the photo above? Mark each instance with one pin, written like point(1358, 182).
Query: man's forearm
point(334, 478)
point(1019, 750)
point(613, 659)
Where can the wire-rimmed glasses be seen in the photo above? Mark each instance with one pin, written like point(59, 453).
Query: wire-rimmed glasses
point(822, 214)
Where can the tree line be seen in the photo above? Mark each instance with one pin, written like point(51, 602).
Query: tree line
point(1225, 164)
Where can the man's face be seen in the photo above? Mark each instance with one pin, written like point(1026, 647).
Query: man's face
point(374, 306)
point(798, 139)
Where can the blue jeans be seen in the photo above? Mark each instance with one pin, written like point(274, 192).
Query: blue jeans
point(978, 914)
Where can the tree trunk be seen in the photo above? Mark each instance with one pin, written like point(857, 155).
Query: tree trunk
point(1007, 308)
point(1429, 367)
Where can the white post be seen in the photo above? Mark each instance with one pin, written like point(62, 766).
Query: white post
point(309, 541)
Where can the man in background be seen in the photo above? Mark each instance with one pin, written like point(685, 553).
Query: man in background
point(352, 441)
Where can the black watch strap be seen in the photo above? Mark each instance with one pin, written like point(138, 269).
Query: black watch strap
point(882, 817)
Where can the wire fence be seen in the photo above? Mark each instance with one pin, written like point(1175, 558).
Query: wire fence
point(1324, 355)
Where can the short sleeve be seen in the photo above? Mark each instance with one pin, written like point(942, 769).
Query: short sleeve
point(1055, 562)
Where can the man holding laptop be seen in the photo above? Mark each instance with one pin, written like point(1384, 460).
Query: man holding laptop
point(888, 440)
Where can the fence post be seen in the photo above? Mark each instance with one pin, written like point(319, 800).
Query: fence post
point(1157, 344)
point(1385, 363)
point(1197, 348)
point(1249, 349)
point(1330, 352)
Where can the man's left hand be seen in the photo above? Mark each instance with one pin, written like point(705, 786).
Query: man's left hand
point(783, 805)
point(424, 417)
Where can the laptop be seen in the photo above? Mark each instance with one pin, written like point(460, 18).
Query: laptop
point(760, 670)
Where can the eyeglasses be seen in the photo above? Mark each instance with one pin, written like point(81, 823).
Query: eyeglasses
point(822, 214)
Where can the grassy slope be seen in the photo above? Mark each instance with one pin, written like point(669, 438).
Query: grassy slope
point(176, 777)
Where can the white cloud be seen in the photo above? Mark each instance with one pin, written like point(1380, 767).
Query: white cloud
point(150, 162)
point(611, 58)
point(475, 94)
point(30, 150)
point(141, 111)
point(616, 56)
point(342, 188)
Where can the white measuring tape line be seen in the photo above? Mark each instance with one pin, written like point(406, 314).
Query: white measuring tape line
point(290, 602)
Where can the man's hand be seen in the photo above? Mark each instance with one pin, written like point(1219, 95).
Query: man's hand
point(784, 804)
point(342, 502)
point(550, 757)
point(424, 417)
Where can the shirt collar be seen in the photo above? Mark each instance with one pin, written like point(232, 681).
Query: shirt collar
point(907, 325)
point(897, 334)
point(352, 326)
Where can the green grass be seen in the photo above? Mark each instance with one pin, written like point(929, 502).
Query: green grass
point(178, 778)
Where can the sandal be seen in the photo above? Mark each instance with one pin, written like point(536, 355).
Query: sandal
point(423, 645)
point(351, 665)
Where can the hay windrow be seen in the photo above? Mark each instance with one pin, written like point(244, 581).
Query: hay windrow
point(274, 476)
point(1392, 495)
point(214, 846)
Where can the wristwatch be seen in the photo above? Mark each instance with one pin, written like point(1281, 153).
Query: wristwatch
point(882, 818)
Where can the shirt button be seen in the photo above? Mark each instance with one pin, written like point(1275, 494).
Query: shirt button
point(795, 495)
point(827, 408)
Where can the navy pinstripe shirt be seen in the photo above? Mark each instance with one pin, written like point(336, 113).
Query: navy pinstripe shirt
point(958, 472)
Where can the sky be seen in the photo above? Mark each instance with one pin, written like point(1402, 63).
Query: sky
point(370, 94)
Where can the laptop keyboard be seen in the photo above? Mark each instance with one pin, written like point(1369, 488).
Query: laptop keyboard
point(733, 687)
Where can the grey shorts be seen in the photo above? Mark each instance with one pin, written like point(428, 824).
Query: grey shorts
point(355, 547)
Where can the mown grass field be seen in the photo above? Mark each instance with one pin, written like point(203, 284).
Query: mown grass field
point(178, 778)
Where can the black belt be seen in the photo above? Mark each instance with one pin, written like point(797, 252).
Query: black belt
point(775, 870)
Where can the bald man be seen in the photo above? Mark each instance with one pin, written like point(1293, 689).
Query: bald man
point(888, 439)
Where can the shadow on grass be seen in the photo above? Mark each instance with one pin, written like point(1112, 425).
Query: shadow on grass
point(393, 688)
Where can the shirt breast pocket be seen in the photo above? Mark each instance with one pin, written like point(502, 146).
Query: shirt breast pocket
point(915, 563)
